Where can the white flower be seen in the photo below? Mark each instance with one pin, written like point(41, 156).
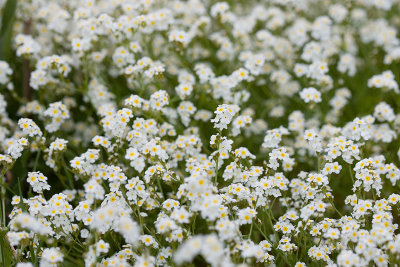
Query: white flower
point(159, 99)
point(51, 256)
point(310, 95)
point(224, 115)
point(129, 230)
point(385, 80)
point(102, 247)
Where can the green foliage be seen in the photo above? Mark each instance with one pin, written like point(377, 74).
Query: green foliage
point(7, 20)
point(6, 254)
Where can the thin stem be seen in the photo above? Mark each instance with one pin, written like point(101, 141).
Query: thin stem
point(36, 160)
point(3, 201)
point(159, 185)
point(351, 174)
point(251, 230)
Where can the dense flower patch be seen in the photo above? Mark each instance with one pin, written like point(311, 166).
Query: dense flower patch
point(194, 133)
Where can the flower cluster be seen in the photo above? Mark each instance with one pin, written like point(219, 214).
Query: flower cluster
point(221, 133)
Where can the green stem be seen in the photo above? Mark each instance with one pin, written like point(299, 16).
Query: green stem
point(36, 160)
point(251, 230)
point(3, 199)
point(351, 174)
point(159, 185)
point(3, 207)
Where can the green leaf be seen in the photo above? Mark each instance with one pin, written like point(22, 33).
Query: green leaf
point(8, 15)
point(6, 257)
point(7, 21)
